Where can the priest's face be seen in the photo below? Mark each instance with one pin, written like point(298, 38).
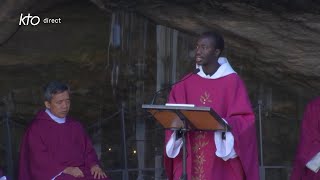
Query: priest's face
point(206, 53)
point(59, 104)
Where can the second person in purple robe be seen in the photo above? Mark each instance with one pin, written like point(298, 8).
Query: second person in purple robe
point(55, 146)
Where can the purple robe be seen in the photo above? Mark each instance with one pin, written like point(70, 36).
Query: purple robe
point(228, 97)
point(309, 143)
point(49, 147)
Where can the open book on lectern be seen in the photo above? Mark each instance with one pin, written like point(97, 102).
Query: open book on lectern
point(171, 116)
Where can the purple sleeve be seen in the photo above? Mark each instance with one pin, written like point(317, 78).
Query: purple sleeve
point(35, 160)
point(310, 134)
point(168, 162)
point(309, 143)
point(242, 121)
point(91, 158)
point(177, 95)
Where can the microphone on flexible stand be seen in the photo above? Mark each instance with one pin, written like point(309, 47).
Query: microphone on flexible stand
point(158, 92)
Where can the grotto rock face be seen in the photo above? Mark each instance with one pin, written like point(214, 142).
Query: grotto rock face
point(282, 47)
point(277, 42)
point(279, 46)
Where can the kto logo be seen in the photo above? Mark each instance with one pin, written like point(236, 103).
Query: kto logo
point(25, 20)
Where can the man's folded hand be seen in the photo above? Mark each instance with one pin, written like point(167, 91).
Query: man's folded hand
point(73, 171)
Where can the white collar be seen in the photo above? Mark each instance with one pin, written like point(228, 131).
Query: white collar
point(55, 118)
point(224, 69)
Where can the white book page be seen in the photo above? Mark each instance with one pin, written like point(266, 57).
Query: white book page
point(180, 105)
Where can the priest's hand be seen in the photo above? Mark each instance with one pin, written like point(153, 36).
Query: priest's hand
point(97, 172)
point(73, 171)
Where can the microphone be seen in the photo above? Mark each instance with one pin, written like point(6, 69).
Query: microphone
point(158, 92)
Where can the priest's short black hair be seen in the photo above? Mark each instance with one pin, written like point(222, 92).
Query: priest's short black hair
point(54, 87)
point(216, 37)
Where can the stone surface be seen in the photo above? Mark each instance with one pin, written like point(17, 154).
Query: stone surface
point(279, 43)
point(282, 47)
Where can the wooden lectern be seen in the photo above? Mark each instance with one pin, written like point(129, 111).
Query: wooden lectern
point(184, 119)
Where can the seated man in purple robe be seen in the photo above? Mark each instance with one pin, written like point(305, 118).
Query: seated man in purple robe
point(307, 162)
point(55, 146)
